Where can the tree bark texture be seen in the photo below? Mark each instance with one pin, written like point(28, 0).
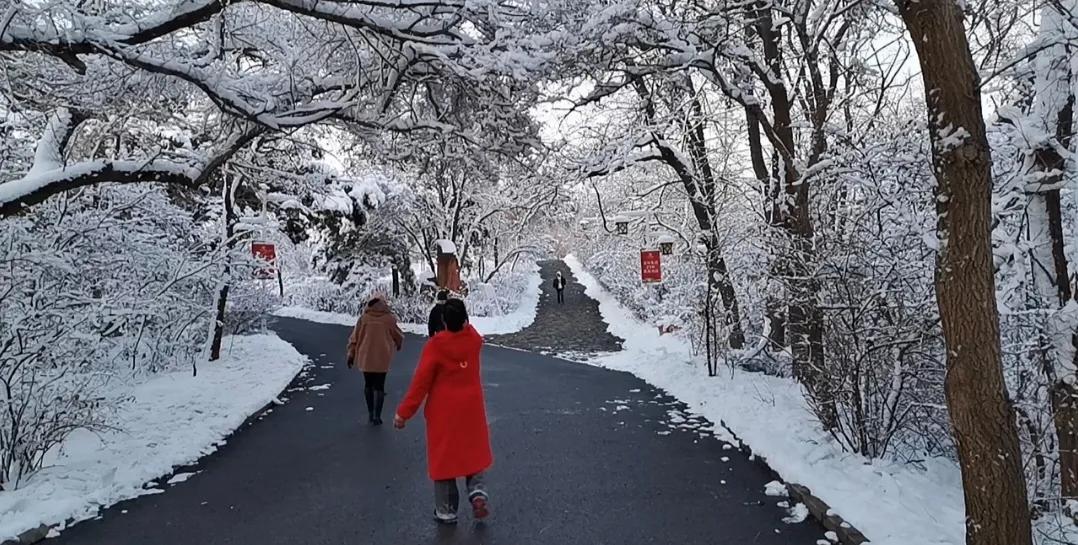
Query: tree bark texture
point(997, 510)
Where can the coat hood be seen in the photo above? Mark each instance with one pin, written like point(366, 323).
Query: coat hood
point(459, 345)
point(378, 308)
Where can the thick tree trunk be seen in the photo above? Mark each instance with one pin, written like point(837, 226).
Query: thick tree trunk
point(997, 511)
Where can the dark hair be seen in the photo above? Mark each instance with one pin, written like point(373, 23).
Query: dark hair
point(454, 315)
point(442, 295)
point(373, 302)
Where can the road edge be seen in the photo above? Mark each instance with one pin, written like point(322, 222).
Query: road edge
point(39, 534)
point(844, 531)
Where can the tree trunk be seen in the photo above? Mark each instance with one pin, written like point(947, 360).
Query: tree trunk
point(776, 318)
point(699, 183)
point(804, 321)
point(1049, 265)
point(1053, 108)
point(719, 281)
point(986, 437)
point(219, 320)
point(704, 184)
point(222, 296)
point(1065, 410)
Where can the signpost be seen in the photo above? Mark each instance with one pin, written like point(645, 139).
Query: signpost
point(266, 251)
point(651, 266)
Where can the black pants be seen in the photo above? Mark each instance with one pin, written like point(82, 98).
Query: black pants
point(374, 381)
point(561, 295)
point(374, 393)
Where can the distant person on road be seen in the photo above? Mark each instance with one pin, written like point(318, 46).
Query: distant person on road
point(458, 439)
point(559, 286)
point(374, 340)
point(435, 322)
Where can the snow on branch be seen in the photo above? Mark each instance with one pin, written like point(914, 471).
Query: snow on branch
point(49, 153)
point(230, 99)
point(80, 35)
point(34, 188)
point(48, 178)
point(412, 29)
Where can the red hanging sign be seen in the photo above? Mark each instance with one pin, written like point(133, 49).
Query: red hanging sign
point(267, 252)
point(651, 266)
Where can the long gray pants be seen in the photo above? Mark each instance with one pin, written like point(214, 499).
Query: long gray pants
point(447, 497)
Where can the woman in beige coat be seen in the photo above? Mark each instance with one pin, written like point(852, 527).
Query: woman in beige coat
point(374, 340)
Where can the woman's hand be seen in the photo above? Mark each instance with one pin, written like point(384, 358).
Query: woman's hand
point(398, 422)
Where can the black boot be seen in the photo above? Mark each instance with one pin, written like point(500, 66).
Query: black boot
point(368, 395)
point(379, 400)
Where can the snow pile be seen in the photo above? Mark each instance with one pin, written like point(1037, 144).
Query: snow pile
point(516, 301)
point(776, 489)
point(168, 420)
point(893, 504)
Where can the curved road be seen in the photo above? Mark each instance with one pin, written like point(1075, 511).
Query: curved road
point(583, 456)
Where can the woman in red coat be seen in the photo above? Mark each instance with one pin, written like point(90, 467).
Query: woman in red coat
point(458, 440)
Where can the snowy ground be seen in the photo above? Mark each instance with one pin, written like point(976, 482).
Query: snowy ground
point(893, 504)
point(521, 317)
point(169, 420)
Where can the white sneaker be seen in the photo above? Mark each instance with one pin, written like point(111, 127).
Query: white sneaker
point(444, 518)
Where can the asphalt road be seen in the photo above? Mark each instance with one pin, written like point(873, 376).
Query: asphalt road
point(583, 455)
point(575, 327)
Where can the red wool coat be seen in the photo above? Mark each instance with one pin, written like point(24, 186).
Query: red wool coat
point(458, 439)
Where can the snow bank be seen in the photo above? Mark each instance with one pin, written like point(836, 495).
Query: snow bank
point(893, 504)
point(518, 319)
point(169, 420)
point(521, 317)
point(320, 316)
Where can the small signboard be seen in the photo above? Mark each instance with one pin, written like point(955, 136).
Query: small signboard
point(651, 266)
point(265, 251)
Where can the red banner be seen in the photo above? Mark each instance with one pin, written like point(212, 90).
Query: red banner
point(267, 252)
point(651, 269)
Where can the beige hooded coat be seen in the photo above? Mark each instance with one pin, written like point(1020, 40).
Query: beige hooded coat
point(375, 339)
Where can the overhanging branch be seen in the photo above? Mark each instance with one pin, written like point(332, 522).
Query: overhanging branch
point(18, 195)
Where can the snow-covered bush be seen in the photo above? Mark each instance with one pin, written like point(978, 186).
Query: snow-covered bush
point(95, 287)
point(872, 267)
point(501, 295)
point(319, 293)
point(249, 306)
point(883, 345)
point(498, 297)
